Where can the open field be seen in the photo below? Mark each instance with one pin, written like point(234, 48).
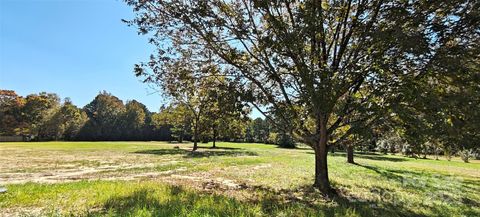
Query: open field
point(155, 179)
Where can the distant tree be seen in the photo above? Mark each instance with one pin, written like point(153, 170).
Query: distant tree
point(105, 114)
point(283, 138)
point(193, 82)
point(11, 116)
point(40, 115)
point(233, 129)
point(261, 130)
point(73, 120)
point(134, 120)
point(304, 61)
point(224, 112)
point(52, 127)
point(360, 131)
point(38, 111)
point(443, 111)
point(177, 118)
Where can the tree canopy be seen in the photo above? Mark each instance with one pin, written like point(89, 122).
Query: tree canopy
point(311, 64)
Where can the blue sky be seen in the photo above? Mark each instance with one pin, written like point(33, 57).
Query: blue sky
point(74, 48)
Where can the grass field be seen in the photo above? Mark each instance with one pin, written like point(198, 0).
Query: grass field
point(156, 179)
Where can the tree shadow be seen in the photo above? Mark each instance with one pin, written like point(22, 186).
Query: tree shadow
point(219, 148)
point(264, 201)
point(199, 153)
point(304, 148)
point(171, 201)
point(340, 205)
point(471, 186)
point(369, 156)
point(428, 183)
point(393, 174)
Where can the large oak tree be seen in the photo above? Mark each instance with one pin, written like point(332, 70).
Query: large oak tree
point(311, 64)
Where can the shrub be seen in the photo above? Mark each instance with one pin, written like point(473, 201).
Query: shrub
point(272, 138)
point(383, 146)
point(285, 141)
point(407, 150)
point(281, 139)
point(448, 153)
point(392, 142)
point(466, 155)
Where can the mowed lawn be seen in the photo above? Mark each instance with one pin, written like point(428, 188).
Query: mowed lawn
point(235, 179)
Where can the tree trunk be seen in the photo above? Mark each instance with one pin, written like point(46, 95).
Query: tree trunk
point(195, 146)
point(214, 136)
point(321, 169)
point(195, 136)
point(180, 137)
point(350, 154)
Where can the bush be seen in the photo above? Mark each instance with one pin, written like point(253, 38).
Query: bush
point(285, 141)
point(281, 139)
point(272, 138)
point(383, 146)
point(448, 153)
point(407, 150)
point(390, 142)
point(466, 155)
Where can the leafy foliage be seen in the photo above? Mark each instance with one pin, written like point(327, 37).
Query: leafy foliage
point(311, 64)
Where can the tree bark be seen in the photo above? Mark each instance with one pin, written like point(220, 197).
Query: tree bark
point(214, 136)
point(195, 136)
point(180, 138)
point(321, 169)
point(350, 154)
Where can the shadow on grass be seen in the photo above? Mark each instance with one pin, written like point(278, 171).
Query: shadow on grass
point(304, 201)
point(311, 201)
point(401, 176)
point(303, 148)
point(199, 153)
point(218, 148)
point(429, 183)
point(172, 201)
point(369, 156)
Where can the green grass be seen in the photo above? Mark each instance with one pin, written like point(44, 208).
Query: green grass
point(155, 179)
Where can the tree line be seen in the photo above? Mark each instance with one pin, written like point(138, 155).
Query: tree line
point(45, 117)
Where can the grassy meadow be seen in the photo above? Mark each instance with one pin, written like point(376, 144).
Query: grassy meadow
point(235, 179)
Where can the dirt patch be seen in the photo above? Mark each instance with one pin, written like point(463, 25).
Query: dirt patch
point(205, 182)
point(51, 165)
point(262, 166)
point(14, 212)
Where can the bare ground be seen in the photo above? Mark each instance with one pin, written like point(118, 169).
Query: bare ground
point(55, 166)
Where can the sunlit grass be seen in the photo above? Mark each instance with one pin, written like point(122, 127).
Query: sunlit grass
point(273, 182)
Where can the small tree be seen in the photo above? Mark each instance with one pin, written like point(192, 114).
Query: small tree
point(177, 118)
point(223, 110)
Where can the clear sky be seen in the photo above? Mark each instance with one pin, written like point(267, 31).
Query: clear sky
point(74, 48)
